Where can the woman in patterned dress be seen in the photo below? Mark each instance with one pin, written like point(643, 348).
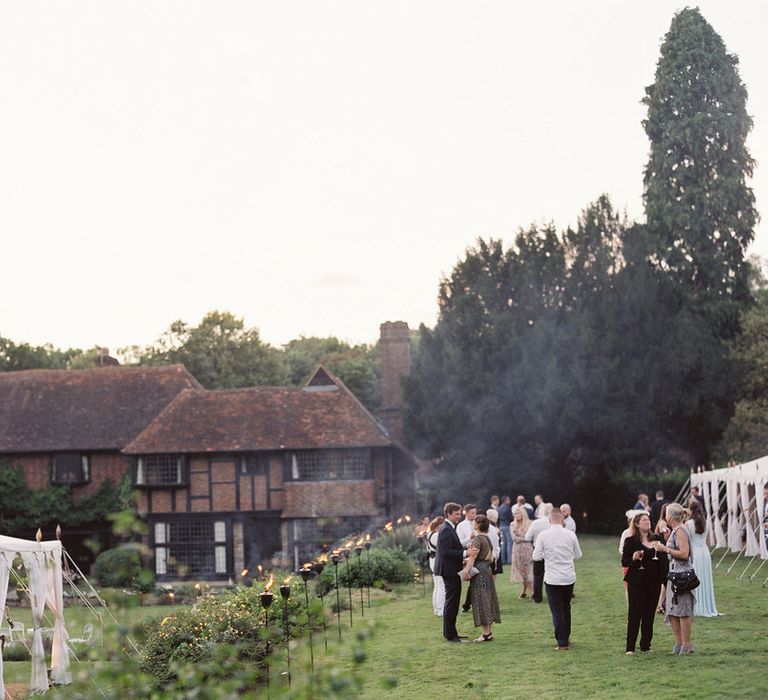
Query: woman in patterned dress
point(522, 551)
point(482, 590)
point(679, 605)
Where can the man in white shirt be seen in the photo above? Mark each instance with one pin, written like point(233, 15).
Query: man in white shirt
point(559, 548)
point(534, 530)
point(568, 522)
point(464, 531)
point(538, 502)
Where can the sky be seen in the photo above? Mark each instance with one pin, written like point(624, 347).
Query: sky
point(313, 167)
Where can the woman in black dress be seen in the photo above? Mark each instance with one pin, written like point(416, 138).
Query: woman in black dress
point(646, 579)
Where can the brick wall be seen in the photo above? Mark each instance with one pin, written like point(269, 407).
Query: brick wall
point(312, 499)
point(103, 466)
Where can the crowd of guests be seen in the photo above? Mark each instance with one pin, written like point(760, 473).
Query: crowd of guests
point(471, 545)
point(468, 544)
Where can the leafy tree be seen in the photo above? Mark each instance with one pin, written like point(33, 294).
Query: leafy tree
point(357, 366)
point(697, 202)
point(20, 356)
point(220, 352)
point(746, 436)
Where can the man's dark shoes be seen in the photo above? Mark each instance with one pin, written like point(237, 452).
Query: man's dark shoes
point(455, 640)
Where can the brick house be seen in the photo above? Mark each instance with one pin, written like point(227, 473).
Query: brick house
point(230, 479)
point(227, 479)
point(70, 426)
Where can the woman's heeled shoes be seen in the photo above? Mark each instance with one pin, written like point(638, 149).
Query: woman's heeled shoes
point(485, 638)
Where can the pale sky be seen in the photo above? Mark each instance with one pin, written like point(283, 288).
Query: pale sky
point(314, 167)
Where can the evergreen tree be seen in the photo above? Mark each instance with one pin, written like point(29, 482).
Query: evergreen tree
point(697, 201)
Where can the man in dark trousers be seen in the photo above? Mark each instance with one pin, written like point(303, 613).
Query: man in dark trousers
point(449, 561)
point(656, 507)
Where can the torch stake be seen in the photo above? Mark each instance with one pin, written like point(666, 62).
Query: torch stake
point(319, 566)
point(309, 627)
point(349, 587)
point(285, 592)
point(358, 551)
point(335, 560)
point(266, 601)
point(368, 568)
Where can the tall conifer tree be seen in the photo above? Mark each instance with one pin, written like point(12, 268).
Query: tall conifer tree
point(697, 201)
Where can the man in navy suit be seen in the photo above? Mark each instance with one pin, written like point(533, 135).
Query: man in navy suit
point(449, 561)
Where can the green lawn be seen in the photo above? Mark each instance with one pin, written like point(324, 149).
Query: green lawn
point(729, 660)
point(407, 645)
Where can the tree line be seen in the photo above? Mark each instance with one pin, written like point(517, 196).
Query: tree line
point(615, 355)
point(222, 353)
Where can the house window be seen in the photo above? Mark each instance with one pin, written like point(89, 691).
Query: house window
point(159, 470)
point(307, 535)
point(254, 464)
point(190, 548)
point(315, 465)
point(70, 468)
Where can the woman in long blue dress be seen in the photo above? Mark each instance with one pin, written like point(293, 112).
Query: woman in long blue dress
point(704, 595)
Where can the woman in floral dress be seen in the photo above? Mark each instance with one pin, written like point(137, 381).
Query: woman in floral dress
point(482, 589)
point(522, 564)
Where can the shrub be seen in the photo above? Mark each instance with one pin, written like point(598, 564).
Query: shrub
point(234, 620)
point(15, 652)
point(386, 566)
point(121, 568)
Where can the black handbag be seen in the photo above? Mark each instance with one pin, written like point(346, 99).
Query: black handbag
point(682, 581)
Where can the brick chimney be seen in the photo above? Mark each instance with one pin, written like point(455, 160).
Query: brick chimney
point(103, 359)
point(395, 353)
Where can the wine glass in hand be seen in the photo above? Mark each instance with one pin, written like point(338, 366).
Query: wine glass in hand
point(641, 554)
point(655, 551)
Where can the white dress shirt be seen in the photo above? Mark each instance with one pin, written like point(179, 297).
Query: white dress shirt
point(558, 548)
point(464, 531)
point(535, 529)
point(493, 535)
point(570, 524)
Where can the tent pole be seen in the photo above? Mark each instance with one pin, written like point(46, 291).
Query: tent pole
point(686, 485)
point(717, 515)
point(99, 598)
point(747, 568)
point(758, 569)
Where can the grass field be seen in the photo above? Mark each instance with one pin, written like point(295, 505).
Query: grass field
point(730, 658)
point(407, 647)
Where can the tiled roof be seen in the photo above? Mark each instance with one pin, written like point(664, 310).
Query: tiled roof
point(80, 410)
point(323, 414)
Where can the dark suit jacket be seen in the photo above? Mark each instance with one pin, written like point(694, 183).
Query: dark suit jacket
point(449, 559)
point(656, 507)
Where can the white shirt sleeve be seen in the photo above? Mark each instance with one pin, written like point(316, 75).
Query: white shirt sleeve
point(576, 548)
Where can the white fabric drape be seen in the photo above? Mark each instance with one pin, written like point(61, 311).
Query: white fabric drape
point(746, 502)
point(708, 511)
point(5, 571)
point(36, 564)
point(732, 493)
point(760, 510)
point(720, 539)
point(60, 674)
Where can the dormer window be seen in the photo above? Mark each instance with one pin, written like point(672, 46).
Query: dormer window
point(160, 470)
point(70, 468)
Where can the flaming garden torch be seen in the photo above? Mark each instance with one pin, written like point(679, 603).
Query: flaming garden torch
point(346, 554)
point(358, 552)
point(307, 572)
point(368, 565)
point(285, 592)
point(335, 561)
point(266, 601)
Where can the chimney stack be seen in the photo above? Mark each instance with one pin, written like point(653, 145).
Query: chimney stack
point(395, 352)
